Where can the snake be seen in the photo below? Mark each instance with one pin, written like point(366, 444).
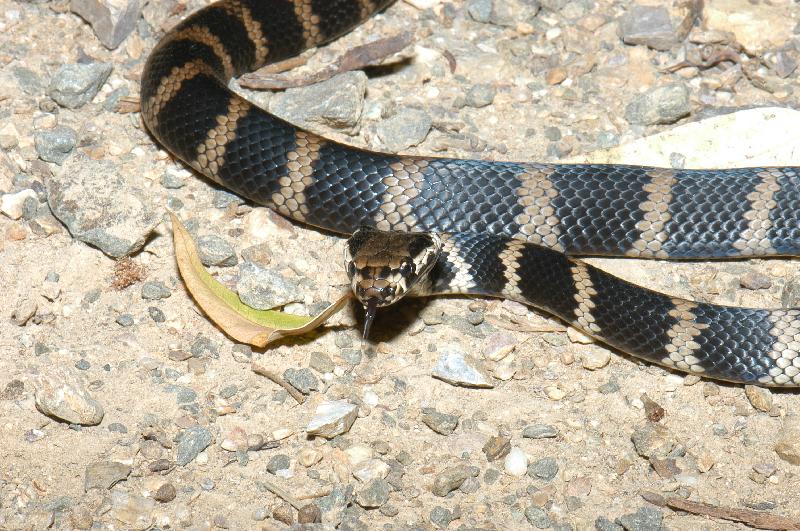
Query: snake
point(515, 230)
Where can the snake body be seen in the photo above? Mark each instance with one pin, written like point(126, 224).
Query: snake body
point(508, 229)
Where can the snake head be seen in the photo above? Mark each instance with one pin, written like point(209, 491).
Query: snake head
point(383, 266)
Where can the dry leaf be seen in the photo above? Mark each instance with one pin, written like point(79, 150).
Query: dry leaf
point(221, 305)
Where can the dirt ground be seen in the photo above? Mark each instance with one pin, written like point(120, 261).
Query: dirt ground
point(183, 413)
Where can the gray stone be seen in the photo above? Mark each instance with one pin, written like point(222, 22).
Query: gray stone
point(278, 462)
point(441, 423)
point(660, 105)
point(480, 10)
point(98, 206)
point(335, 103)
point(110, 22)
point(264, 288)
point(374, 494)
point(441, 517)
point(537, 517)
point(321, 362)
point(545, 468)
point(75, 85)
point(28, 80)
point(539, 431)
point(604, 524)
point(480, 95)
point(156, 314)
point(408, 127)
point(457, 368)
point(644, 519)
point(104, 475)
point(55, 145)
point(125, 320)
point(648, 25)
point(450, 479)
point(172, 181)
point(155, 290)
point(552, 133)
point(216, 251)
point(193, 441)
point(301, 379)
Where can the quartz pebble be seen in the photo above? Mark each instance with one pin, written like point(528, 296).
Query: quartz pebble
point(332, 418)
point(516, 463)
point(458, 368)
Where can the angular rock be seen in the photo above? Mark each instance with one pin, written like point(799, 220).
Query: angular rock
point(332, 418)
point(648, 25)
point(374, 494)
point(652, 440)
point(193, 441)
point(441, 423)
point(104, 475)
point(788, 445)
point(76, 85)
point(264, 288)
point(458, 368)
point(644, 519)
point(98, 207)
point(136, 512)
point(759, 397)
point(216, 251)
point(497, 448)
point(335, 103)
point(370, 469)
point(61, 395)
point(406, 128)
point(661, 105)
point(112, 21)
point(450, 479)
point(301, 379)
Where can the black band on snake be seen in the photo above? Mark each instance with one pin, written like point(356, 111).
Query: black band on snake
point(506, 229)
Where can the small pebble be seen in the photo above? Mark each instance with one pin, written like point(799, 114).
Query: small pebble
point(540, 431)
point(545, 468)
point(154, 290)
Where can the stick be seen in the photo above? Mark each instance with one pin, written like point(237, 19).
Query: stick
point(263, 371)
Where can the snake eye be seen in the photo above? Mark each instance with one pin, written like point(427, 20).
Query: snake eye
point(407, 268)
point(351, 269)
point(387, 292)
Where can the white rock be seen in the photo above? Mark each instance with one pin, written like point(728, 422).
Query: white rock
point(516, 463)
point(595, 358)
point(371, 469)
point(358, 453)
point(11, 204)
point(309, 457)
point(61, 395)
point(458, 368)
point(767, 136)
point(332, 418)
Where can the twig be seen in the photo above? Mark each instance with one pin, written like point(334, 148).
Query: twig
point(357, 58)
point(749, 517)
point(282, 494)
point(263, 371)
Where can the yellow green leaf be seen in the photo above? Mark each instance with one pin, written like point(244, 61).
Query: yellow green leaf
point(223, 306)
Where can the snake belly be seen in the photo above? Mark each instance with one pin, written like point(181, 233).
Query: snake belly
point(530, 215)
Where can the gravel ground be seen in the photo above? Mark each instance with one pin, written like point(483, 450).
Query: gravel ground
point(123, 407)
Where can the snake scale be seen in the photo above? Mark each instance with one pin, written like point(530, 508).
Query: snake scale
point(507, 229)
